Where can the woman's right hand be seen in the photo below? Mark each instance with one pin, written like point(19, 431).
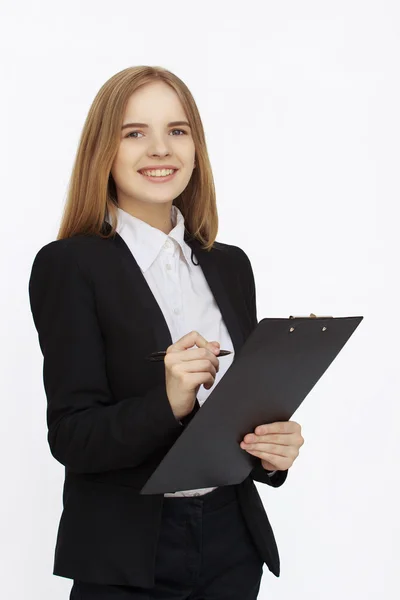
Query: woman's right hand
point(186, 368)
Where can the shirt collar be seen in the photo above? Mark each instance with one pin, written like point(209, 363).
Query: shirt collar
point(145, 242)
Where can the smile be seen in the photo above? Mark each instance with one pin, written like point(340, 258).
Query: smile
point(158, 178)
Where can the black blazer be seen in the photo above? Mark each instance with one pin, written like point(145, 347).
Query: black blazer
point(109, 419)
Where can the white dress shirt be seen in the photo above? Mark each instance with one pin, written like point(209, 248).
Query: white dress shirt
point(180, 289)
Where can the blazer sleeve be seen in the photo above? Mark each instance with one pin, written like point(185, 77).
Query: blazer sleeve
point(87, 430)
point(258, 473)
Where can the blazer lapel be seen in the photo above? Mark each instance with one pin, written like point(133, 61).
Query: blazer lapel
point(219, 288)
point(139, 288)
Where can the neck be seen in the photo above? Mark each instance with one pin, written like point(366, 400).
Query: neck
point(156, 215)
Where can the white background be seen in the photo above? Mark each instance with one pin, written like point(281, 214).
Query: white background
point(300, 104)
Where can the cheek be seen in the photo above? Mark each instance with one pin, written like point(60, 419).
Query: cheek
point(127, 154)
point(116, 166)
point(123, 165)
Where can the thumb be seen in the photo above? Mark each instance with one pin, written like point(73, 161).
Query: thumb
point(214, 346)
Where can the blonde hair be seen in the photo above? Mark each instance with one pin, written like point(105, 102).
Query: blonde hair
point(92, 192)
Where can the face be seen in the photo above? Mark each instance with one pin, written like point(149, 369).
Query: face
point(158, 143)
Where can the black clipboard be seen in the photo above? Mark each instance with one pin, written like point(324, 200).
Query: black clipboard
point(276, 368)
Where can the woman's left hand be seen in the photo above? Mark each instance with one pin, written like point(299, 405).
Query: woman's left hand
point(277, 444)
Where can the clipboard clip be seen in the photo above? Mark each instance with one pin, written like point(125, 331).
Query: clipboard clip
point(312, 316)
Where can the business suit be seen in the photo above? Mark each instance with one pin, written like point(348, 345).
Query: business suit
point(110, 421)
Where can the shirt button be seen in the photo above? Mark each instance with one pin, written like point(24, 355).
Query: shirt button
point(167, 244)
point(177, 311)
point(168, 267)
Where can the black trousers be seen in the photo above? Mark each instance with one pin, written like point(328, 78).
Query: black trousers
point(204, 552)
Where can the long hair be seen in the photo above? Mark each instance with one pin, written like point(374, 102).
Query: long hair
point(92, 192)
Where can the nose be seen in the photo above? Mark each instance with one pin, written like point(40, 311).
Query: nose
point(159, 154)
point(159, 148)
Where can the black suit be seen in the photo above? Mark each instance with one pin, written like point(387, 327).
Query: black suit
point(109, 418)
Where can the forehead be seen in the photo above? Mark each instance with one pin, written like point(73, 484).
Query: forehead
point(154, 102)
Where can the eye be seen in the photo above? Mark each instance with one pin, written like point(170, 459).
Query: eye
point(132, 132)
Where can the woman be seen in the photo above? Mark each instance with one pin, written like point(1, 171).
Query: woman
point(136, 268)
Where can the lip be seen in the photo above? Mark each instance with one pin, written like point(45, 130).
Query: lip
point(155, 167)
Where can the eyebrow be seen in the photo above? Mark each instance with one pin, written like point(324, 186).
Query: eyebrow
point(171, 124)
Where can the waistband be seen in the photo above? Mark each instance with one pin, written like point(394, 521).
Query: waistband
point(219, 497)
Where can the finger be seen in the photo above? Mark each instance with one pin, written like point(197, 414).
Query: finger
point(191, 339)
point(267, 448)
point(278, 427)
point(279, 462)
point(198, 379)
point(214, 347)
point(194, 354)
point(187, 341)
point(284, 439)
point(200, 366)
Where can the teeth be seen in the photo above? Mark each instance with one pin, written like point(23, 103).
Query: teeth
point(159, 172)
